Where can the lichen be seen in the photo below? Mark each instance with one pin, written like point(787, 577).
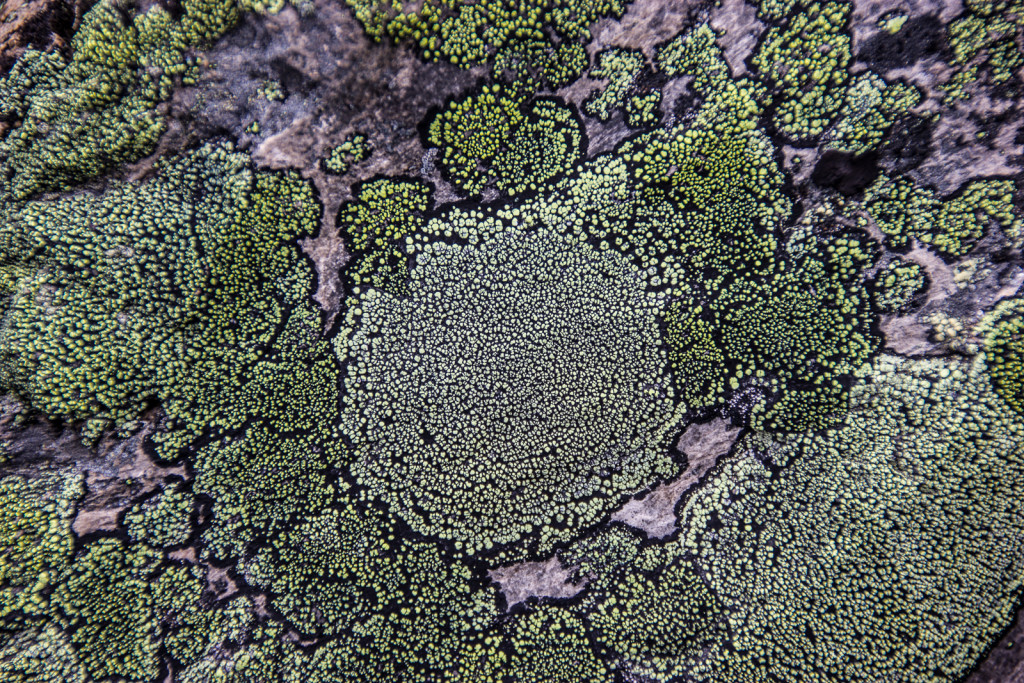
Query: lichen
point(927, 448)
point(83, 115)
point(898, 285)
point(163, 520)
point(506, 371)
point(467, 34)
point(501, 137)
point(1003, 334)
point(549, 359)
point(350, 152)
point(163, 290)
point(953, 224)
point(804, 63)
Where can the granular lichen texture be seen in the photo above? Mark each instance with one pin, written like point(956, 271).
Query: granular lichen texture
point(494, 341)
point(519, 389)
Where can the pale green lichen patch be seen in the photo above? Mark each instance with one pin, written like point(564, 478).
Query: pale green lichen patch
point(531, 347)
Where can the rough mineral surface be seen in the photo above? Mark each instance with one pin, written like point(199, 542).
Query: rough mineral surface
point(546, 341)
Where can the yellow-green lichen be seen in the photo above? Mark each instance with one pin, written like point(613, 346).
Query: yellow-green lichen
point(847, 561)
point(341, 158)
point(81, 115)
point(499, 137)
point(803, 62)
point(952, 225)
point(1003, 333)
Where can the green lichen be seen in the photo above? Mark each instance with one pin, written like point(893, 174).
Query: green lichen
point(870, 108)
point(499, 137)
point(289, 404)
point(41, 655)
point(547, 145)
point(107, 602)
point(82, 115)
point(892, 22)
point(803, 62)
point(643, 110)
point(1003, 333)
point(531, 58)
point(36, 543)
point(745, 314)
point(472, 131)
point(952, 225)
point(898, 285)
point(984, 42)
point(550, 644)
point(399, 609)
point(167, 289)
point(467, 34)
point(621, 67)
point(375, 227)
point(927, 462)
point(653, 610)
point(505, 376)
point(163, 520)
point(343, 157)
point(601, 553)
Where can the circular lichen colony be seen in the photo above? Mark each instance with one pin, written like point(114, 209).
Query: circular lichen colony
point(519, 388)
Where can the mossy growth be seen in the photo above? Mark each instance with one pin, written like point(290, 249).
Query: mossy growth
point(396, 608)
point(500, 137)
point(470, 33)
point(928, 462)
point(898, 285)
point(790, 318)
point(804, 63)
point(167, 290)
point(290, 404)
point(655, 610)
point(1003, 334)
point(39, 655)
point(351, 151)
point(82, 115)
point(531, 58)
point(36, 543)
point(108, 605)
point(551, 644)
point(952, 225)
